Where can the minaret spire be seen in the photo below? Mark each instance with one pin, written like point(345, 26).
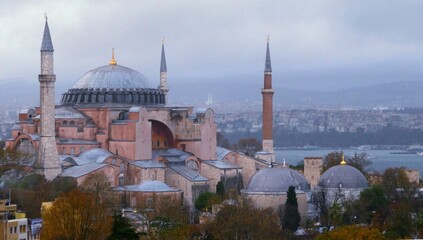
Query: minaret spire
point(163, 67)
point(267, 92)
point(163, 73)
point(268, 64)
point(47, 44)
point(48, 162)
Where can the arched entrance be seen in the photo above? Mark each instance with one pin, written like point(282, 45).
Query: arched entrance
point(161, 136)
point(26, 146)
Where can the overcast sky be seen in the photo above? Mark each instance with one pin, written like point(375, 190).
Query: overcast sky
point(314, 44)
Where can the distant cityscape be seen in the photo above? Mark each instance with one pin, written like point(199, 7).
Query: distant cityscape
point(323, 120)
point(302, 121)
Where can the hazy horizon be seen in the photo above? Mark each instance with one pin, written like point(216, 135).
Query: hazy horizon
point(314, 45)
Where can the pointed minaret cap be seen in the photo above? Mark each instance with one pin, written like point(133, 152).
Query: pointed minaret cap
point(163, 67)
point(268, 64)
point(113, 61)
point(343, 160)
point(47, 44)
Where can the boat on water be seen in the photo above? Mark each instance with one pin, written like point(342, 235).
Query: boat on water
point(416, 148)
point(366, 155)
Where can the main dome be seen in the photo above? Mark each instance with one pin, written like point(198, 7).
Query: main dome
point(112, 76)
point(343, 176)
point(114, 84)
point(276, 180)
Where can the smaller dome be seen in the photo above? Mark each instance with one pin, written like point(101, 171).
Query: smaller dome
point(343, 176)
point(276, 180)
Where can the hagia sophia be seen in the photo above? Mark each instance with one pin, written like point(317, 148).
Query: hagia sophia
point(116, 122)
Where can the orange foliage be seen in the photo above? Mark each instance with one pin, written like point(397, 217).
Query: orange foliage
point(352, 232)
point(76, 215)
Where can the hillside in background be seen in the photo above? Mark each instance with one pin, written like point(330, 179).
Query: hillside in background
point(230, 96)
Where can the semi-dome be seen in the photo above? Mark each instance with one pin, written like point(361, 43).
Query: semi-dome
point(343, 176)
point(113, 84)
point(276, 180)
point(112, 77)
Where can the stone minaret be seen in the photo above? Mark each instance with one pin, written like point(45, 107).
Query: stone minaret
point(267, 129)
point(48, 162)
point(163, 71)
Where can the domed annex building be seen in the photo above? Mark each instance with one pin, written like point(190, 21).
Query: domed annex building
point(269, 187)
point(342, 182)
point(116, 122)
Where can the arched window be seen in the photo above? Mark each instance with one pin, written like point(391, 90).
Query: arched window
point(149, 202)
point(133, 202)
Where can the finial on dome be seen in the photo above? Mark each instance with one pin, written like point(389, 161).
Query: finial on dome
point(113, 61)
point(163, 40)
point(45, 15)
point(343, 160)
point(268, 38)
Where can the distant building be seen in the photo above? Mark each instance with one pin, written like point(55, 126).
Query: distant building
point(13, 223)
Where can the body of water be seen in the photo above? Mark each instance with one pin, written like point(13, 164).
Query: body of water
point(381, 159)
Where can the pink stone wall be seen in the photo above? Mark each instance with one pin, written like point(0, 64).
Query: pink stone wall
point(249, 167)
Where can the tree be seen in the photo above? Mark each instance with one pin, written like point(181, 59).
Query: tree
point(324, 198)
point(76, 215)
point(205, 201)
point(332, 159)
point(374, 205)
point(352, 232)
point(221, 140)
point(122, 229)
point(291, 217)
point(359, 161)
point(249, 146)
point(98, 185)
point(171, 220)
point(335, 214)
point(399, 223)
point(397, 185)
point(240, 220)
point(11, 159)
point(220, 189)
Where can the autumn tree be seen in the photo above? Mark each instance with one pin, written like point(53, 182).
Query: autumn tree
point(240, 220)
point(352, 232)
point(291, 217)
point(76, 215)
